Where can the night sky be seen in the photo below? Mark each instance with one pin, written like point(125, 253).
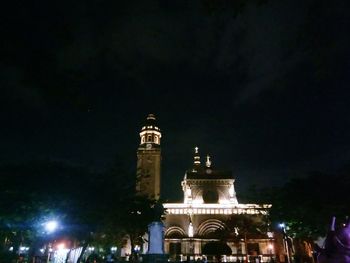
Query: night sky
point(262, 86)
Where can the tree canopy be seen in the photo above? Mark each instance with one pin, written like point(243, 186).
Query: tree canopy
point(307, 204)
point(92, 207)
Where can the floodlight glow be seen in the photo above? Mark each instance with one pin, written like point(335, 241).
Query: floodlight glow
point(51, 226)
point(190, 230)
point(282, 225)
point(60, 246)
point(270, 246)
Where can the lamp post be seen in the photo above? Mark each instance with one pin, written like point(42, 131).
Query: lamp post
point(285, 241)
point(50, 227)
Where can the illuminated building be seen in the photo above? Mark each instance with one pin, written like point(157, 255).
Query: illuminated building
point(210, 211)
point(149, 159)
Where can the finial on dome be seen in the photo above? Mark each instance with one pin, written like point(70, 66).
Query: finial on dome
point(208, 162)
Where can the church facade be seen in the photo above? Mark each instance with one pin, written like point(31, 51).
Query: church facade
point(210, 219)
point(209, 222)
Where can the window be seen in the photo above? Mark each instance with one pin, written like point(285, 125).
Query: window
point(210, 196)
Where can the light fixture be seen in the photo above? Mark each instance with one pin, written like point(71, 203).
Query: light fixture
point(51, 226)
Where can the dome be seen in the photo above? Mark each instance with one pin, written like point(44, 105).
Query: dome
point(150, 132)
point(151, 123)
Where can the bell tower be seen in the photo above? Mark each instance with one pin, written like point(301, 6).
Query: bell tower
point(149, 159)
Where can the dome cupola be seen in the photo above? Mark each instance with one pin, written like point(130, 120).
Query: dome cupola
point(150, 133)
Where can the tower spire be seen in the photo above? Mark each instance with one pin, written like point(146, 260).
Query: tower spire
point(197, 158)
point(149, 159)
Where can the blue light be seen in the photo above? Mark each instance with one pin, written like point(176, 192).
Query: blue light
point(51, 226)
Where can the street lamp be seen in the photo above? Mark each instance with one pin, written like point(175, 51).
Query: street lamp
point(285, 240)
point(50, 227)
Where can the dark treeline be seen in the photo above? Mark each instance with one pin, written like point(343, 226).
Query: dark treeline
point(101, 207)
point(306, 204)
point(90, 206)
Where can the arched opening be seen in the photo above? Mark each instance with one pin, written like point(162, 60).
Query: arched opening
point(210, 196)
point(175, 232)
point(210, 228)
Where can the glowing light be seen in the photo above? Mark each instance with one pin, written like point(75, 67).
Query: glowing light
point(60, 246)
point(51, 226)
point(282, 225)
point(143, 133)
point(11, 249)
point(270, 234)
point(198, 201)
point(91, 249)
point(208, 162)
point(190, 230)
point(42, 250)
point(113, 249)
point(197, 208)
point(231, 190)
point(188, 191)
point(270, 246)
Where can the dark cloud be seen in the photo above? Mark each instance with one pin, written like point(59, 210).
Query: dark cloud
point(261, 85)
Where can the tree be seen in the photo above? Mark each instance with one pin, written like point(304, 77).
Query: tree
point(94, 207)
point(306, 204)
point(35, 192)
point(241, 227)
